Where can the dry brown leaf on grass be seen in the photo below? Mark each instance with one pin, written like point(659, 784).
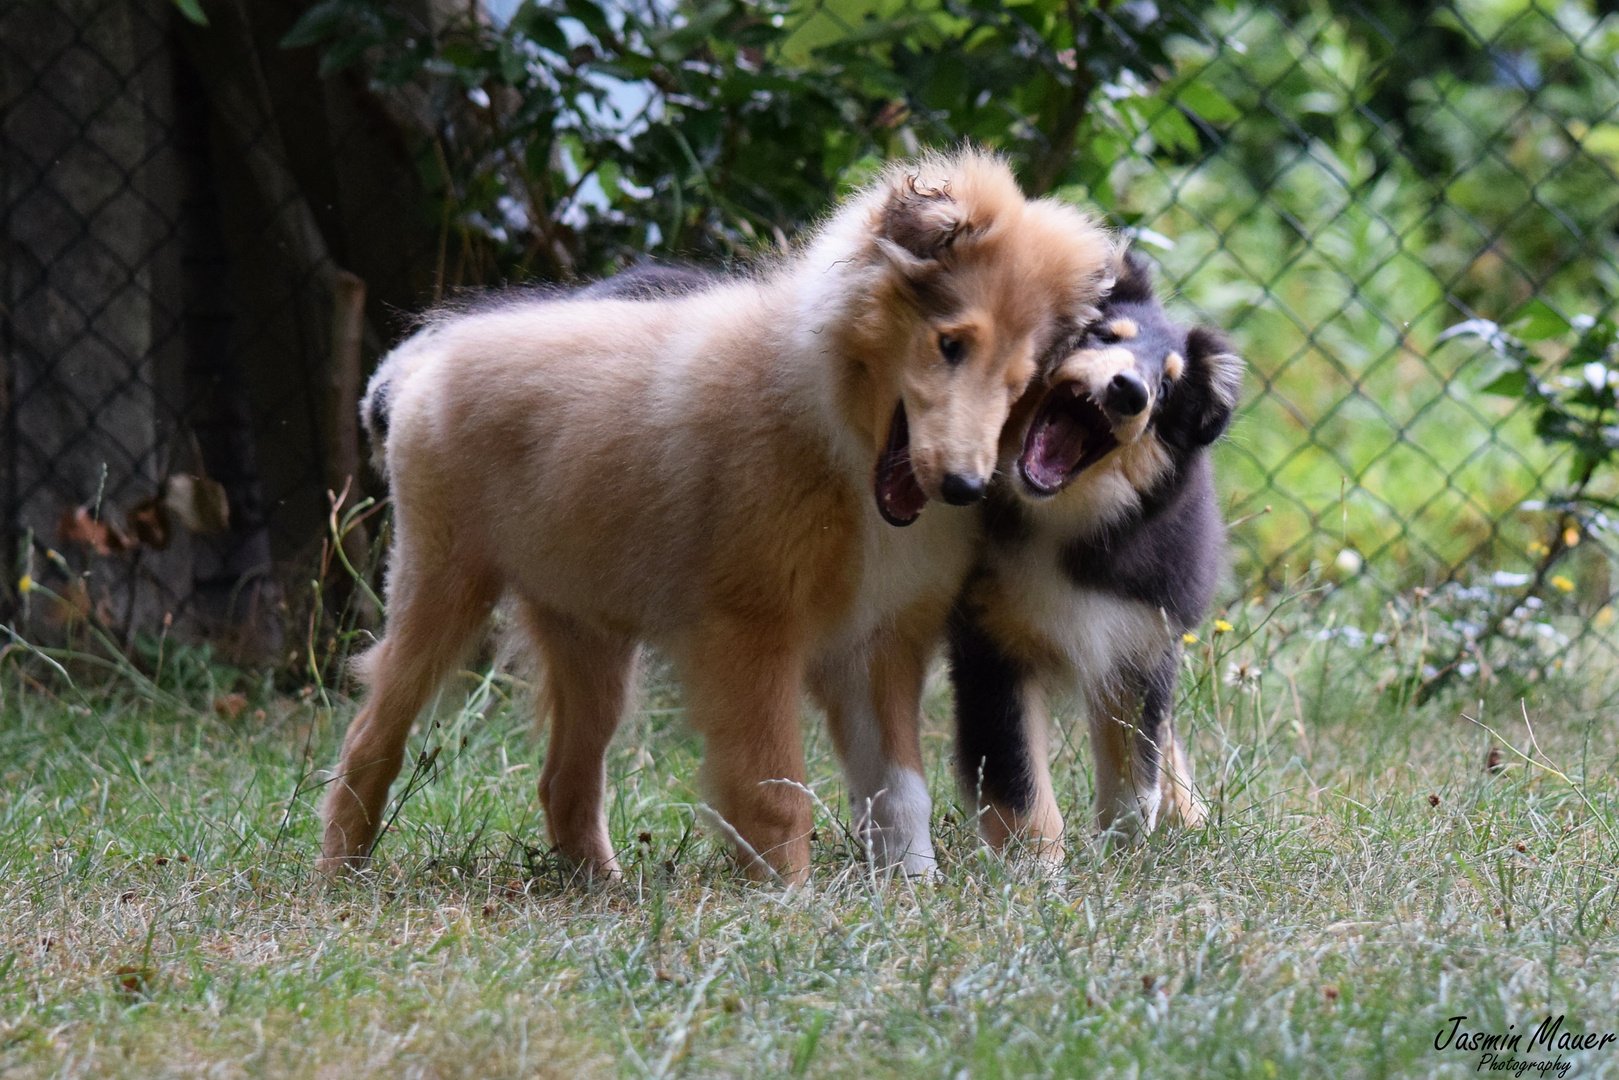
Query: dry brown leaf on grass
point(230, 706)
point(134, 980)
point(76, 528)
point(149, 522)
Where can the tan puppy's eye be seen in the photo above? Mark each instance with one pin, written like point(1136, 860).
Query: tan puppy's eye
point(952, 348)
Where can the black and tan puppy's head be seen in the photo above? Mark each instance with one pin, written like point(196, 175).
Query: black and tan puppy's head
point(1134, 389)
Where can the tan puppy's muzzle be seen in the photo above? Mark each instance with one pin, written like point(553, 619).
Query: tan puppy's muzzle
point(955, 458)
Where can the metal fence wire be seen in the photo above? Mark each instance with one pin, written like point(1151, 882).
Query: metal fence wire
point(173, 231)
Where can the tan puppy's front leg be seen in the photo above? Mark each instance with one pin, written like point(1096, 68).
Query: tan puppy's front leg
point(430, 619)
point(744, 686)
point(589, 676)
point(873, 700)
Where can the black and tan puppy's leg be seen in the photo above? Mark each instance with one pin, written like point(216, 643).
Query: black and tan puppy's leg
point(1126, 717)
point(1142, 773)
point(1001, 752)
point(1181, 805)
point(589, 676)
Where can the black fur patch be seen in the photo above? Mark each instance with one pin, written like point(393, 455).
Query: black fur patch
point(375, 411)
point(1198, 410)
point(1158, 684)
point(992, 748)
point(1007, 524)
point(1134, 285)
point(1168, 555)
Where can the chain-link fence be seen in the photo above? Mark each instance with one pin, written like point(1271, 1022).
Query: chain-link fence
point(173, 316)
point(1337, 186)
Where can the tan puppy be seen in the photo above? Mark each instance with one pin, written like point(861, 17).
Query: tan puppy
point(719, 474)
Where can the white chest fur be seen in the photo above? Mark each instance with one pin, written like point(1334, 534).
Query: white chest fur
point(903, 566)
point(1094, 631)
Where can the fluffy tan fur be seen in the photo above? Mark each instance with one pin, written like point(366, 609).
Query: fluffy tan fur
point(696, 473)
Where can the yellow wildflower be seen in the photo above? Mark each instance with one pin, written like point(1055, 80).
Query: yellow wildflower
point(1537, 548)
point(1562, 584)
point(1191, 639)
point(1571, 536)
point(1222, 627)
point(25, 584)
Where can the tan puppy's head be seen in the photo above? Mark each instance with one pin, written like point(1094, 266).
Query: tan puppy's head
point(1134, 390)
point(973, 282)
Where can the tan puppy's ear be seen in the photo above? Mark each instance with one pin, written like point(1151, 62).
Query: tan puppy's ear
point(919, 225)
point(922, 219)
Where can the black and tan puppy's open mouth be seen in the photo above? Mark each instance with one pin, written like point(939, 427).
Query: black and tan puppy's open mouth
point(1069, 434)
point(899, 497)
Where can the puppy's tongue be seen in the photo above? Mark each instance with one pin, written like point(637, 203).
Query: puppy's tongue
point(899, 497)
point(1069, 433)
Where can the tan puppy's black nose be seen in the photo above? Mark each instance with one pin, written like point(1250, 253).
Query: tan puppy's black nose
point(1127, 394)
point(961, 490)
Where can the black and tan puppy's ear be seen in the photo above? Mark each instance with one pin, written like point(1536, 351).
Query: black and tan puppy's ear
point(1199, 407)
point(1134, 283)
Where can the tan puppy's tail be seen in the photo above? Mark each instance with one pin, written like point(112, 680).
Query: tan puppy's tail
point(374, 412)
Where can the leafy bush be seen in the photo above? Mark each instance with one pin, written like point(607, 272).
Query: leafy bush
point(1334, 189)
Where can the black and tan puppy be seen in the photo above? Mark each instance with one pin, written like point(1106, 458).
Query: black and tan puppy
point(1104, 545)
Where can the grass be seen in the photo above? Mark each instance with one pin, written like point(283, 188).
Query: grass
point(1364, 880)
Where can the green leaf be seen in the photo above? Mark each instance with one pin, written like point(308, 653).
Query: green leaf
point(1510, 383)
point(539, 25)
point(512, 68)
point(608, 173)
point(1168, 126)
point(316, 25)
point(192, 10)
point(1207, 102)
point(593, 18)
point(345, 52)
point(1537, 322)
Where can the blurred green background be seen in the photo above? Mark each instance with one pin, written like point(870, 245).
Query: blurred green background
point(1335, 184)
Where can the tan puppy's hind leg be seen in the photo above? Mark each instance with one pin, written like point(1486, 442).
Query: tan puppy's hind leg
point(744, 697)
point(431, 617)
point(589, 676)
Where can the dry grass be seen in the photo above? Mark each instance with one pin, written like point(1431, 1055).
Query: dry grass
point(160, 917)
